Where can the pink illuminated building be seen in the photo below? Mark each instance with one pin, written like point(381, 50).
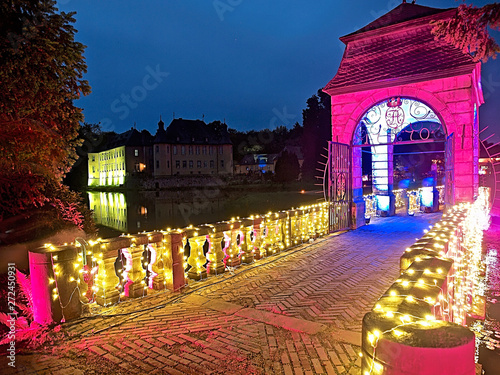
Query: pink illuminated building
point(394, 80)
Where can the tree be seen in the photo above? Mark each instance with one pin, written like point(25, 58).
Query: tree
point(287, 168)
point(468, 30)
point(41, 73)
point(317, 131)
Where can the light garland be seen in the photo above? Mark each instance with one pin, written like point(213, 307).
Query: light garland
point(440, 283)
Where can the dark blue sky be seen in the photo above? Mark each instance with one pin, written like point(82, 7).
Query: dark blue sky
point(253, 63)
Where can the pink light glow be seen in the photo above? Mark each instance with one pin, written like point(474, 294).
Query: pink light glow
point(127, 267)
point(152, 274)
point(227, 244)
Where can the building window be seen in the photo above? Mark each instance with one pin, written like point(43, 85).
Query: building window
point(93, 157)
point(221, 150)
point(205, 164)
point(190, 150)
point(204, 150)
point(212, 164)
point(157, 149)
point(177, 164)
point(197, 150)
point(190, 164)
point(157, 164)
point(198, 163)
point(136, 152)
point(175, 150)
point(93, 169)
point(183, 150)
point(184, 164)
point(222, 163)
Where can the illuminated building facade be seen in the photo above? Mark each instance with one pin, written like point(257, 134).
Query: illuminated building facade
point(186, 147)
point(124, 155)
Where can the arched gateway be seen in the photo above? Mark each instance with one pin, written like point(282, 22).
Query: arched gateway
point(397, 85)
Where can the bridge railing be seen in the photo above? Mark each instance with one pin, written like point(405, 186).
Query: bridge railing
point(418, 325)
point(107, 271)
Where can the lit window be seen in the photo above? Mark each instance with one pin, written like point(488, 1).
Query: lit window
point(136, 152)
point(183, 150)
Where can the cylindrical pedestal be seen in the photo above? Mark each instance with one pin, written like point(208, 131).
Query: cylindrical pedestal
point(53, 282)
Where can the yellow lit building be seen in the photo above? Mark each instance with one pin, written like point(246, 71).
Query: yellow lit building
point(125, 155)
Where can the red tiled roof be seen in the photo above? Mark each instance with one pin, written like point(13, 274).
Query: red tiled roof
point(402, 13)
point(391, 55)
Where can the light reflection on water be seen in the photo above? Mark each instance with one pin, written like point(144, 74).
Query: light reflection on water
point(488, 333)
point(133, 212)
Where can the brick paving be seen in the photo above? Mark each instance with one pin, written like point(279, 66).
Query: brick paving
point(298, 312)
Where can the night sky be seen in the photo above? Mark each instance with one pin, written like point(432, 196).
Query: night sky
point(252, 63)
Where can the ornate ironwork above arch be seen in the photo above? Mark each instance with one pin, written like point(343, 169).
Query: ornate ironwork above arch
point(398, 120)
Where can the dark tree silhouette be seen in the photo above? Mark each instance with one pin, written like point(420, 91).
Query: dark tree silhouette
point(287, 168)
point(316, 133)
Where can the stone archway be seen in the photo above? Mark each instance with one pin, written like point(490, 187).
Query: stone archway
point(397, 55)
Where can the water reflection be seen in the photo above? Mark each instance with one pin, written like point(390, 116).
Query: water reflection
point(132, 212)
point(488, 332)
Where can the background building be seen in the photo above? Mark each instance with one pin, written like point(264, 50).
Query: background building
point(186, 147)
point(191, 147)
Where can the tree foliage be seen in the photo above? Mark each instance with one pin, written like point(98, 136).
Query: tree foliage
point(468, 30)
point(287, 167)
point(317, 132)
point(41, 73)
point(264, 141)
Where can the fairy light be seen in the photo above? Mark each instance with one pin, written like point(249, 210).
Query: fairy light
point(458, 238)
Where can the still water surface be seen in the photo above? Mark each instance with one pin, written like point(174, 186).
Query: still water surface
point(132, 212)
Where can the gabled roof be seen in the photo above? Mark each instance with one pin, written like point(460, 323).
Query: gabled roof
point(181, 131)
point(132, 138)
point(397, 48)
point(402, 13)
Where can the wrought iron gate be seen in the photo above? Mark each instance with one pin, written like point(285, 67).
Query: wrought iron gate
point(449, 186)
point(339, 191)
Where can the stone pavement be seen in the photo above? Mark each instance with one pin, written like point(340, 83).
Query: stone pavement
point(298, 312)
